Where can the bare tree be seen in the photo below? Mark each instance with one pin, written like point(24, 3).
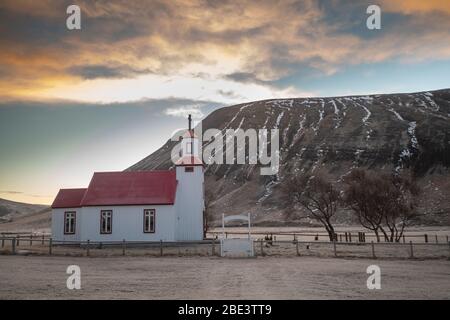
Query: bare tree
point(382, 202)
point(318, 195)
point(207, 213)
point(362, 196)
point(401, 205)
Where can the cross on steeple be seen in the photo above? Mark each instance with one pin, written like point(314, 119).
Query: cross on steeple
point(190, 120)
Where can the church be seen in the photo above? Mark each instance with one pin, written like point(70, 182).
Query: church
point(165, 205)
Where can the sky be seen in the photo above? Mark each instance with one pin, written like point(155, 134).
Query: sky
point(73, 102)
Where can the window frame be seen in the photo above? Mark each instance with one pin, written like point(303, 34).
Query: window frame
point(74, 222)
point(101, 219)
point(154, 220)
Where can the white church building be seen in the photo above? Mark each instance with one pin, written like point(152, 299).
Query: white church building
point(136, 206)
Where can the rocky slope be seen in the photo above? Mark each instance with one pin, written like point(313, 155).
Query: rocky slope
point(391, 132)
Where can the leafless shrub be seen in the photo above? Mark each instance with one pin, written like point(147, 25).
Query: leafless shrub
point(315, 193)
point(382, 202)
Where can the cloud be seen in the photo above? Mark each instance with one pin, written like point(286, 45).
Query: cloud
point(250, 42)
point(246, 77)
point(416, 6)
point(10, 192)
point(229, 94)
point(105, 71)
point(184, 111)
point(197, 109)
point(23, 193)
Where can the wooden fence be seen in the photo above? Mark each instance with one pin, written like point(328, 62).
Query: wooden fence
point(339, 236)
point(45, 245)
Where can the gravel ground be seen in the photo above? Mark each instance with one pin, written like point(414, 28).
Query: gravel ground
point(40, 277)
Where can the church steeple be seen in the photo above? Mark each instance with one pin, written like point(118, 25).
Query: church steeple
point(190, 147)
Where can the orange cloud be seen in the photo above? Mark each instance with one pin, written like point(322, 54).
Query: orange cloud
point(416, 6)
point(261, 39)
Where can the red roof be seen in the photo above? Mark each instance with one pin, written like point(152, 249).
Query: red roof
point(189, 161)
point(69, 198)
point(122, 188)
point(131, 188)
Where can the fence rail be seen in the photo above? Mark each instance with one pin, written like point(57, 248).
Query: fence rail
point(211, 247)
point(341, 236)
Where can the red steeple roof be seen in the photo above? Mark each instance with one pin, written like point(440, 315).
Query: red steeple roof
point(189, 134)
point(189, 161)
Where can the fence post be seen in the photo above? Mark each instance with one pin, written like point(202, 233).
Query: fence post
point(13, 245)
point(403, 238)
point(436, 238)
point(87, 247)
point(373, 250)
point(31, 240)
point(50, 244)
point(296, 248)
point(123, 247)
point(350, 237)
point(447, 238)
point(42, 239)
point(18, 240)
point(161, 248)
point(262, 249)
point(411, 250)
point(334, 248)
point(213, 247)
point(426, 238)
point(3, 242)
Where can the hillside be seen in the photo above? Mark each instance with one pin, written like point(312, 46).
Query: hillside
point(381, 132)
point(17, 216)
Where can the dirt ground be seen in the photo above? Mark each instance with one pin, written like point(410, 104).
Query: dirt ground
point(40, 277)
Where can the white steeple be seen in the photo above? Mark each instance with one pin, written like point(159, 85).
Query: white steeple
point(190, 144)
point(190, 188)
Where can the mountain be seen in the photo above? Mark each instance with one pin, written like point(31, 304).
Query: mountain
point(391, 132)
point(16, 216)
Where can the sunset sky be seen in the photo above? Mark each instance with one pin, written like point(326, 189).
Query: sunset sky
point(103, 97)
